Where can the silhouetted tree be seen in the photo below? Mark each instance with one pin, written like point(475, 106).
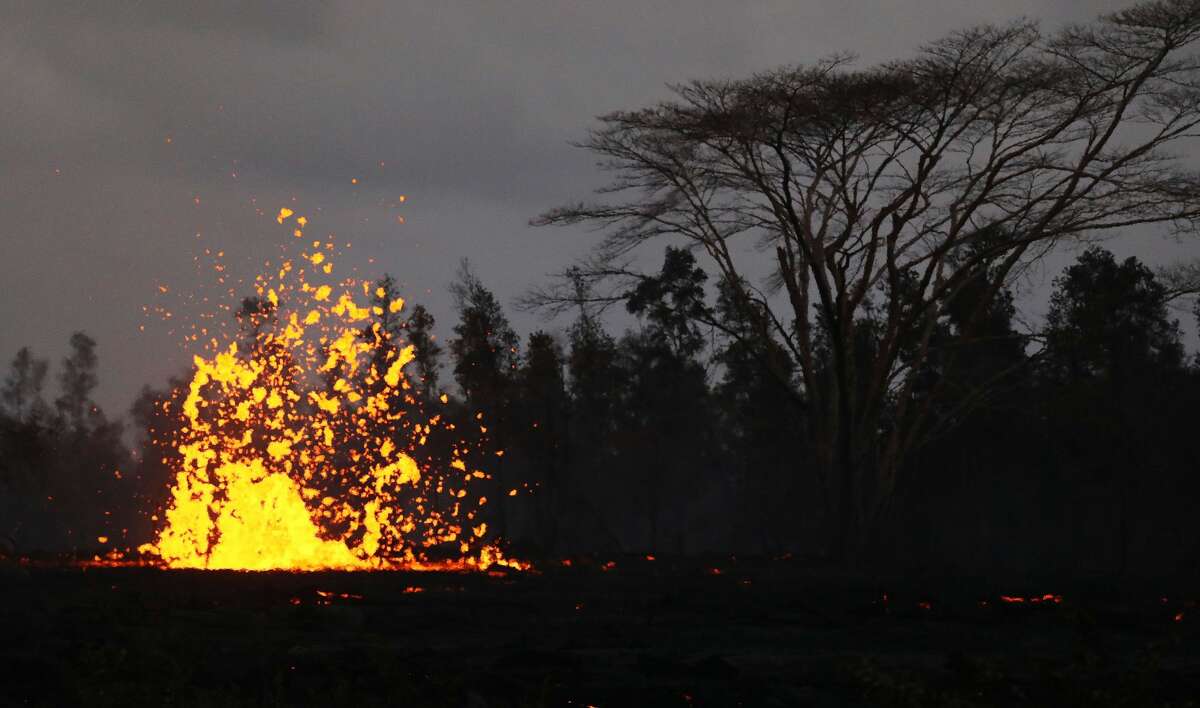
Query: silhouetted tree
point(486, 358)
point(25, 442)
point(63, 473)
point(540, 428)
point(855, 181)
point(77, 380)
point(673, 303)
point(759, 419)
point(663, 421)
point(1109, 341)
point(972, 353)
point(594, 377)
point(427, 353)
point(979, 440)
point(1109, 320)
point(22, 392)
point(485, 347)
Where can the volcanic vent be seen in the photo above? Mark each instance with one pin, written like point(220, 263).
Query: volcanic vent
point(299, 442)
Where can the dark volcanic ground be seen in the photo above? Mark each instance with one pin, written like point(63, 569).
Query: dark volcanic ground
point(712, 632)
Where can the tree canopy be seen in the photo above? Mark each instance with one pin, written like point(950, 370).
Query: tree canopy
point(882, 197)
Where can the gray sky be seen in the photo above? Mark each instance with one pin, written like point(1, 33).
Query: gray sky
point(119, 116)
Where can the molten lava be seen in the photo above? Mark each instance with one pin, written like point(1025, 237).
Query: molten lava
point(299, 441)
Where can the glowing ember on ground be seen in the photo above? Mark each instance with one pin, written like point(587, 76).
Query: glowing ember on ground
point(299, 443)
point(1018, 600)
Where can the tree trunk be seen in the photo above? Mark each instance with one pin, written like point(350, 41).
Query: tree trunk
point(843, 461)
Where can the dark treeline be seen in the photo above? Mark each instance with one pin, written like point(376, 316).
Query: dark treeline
point(677, 436)
point(62, 463)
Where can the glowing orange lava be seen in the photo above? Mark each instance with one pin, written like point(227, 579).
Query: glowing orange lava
point(299, 442)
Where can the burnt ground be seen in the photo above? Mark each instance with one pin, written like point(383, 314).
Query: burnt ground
point(667, 632)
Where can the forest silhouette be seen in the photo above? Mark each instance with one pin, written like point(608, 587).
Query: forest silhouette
point(673, 438)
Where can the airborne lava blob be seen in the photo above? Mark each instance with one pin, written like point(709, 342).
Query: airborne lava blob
point(298, 441)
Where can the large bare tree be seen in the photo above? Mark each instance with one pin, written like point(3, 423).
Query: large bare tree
point(891, 190)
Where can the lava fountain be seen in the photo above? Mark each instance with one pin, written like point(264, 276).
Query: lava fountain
point(299, 440)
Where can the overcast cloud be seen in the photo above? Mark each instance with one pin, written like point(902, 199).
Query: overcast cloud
point(118, 117)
